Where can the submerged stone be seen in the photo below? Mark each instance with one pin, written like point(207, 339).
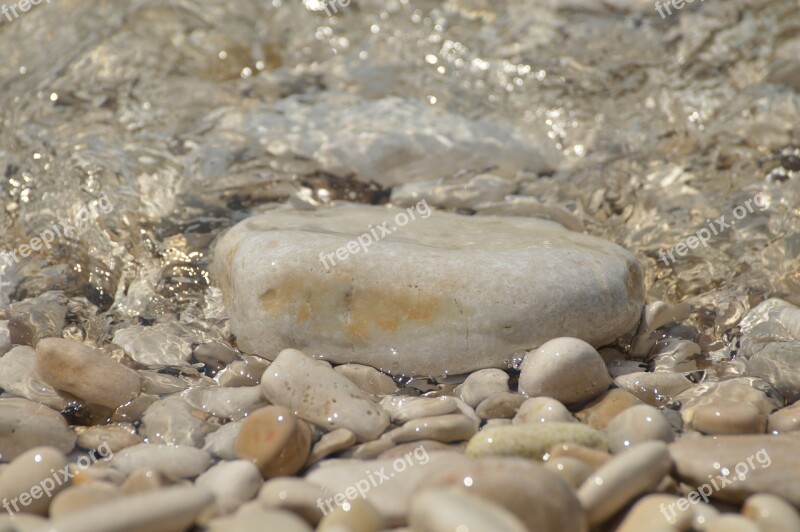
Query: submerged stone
point(424, 292)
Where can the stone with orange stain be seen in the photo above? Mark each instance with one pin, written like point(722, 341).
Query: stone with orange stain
point(275, 440)
point(439, 294)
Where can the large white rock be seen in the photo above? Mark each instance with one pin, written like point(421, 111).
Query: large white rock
point(442, 293)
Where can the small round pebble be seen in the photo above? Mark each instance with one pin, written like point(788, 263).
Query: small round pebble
point(729, 418)
point(637, 424)
point(449, 510)
point(542, 410)
point(275, 440)
point(481, 384)
point(771, 513)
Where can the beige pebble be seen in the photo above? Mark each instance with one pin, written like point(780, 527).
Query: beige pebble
point(602, 410)
point(567, 369)
point(275, 440)
point(655, 389)
point(732, 523)
point(532, 440)
point(427, 446)
point(296, 495)
point(21, 522)
point(635, 425)
point(142, 480)
point(330, 443)
point(77, 498)
point(593, 458)
point(174, 461)
point(572, 470)
point(657, 510)
point(85, 372)
point(500, 405)
point(245, 372)
point(481, 384)
point(542, 410)
point(451, 510)
point(729, 418)
point(115, 436)
point(447, 428)
point(232, 483)
point(253, 516)
point(623, 478)
point(771, 513)
point(784, 420)
point(402, 409)
point(134, 410)
point(367, 378)
point(356, 515)
point(25, 425)
point(29, 483)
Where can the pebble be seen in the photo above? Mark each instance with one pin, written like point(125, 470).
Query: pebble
point(253, 516)
point(25, 484)
point(601, 411)
point(481, 384)
point(142, 480)
point(245, 372)
point(740, 390)
point(5, 338)
point(115, 436)
point(294, 494)
point(214, 353)
point(732, 523)
point(572, 470)
point(402, 409)
point(725, 417)
point(515, 484)
point(657, 511)
point(676, 356)
point(85, 372)
point(500, 405)
point(175, 422)
point(321, 396)
point(25, 425)
point(447, 428)
point(779, 364)
point(133, 411)
point(18, 376)
point(357, 515)
point(390, 308)
point(163, 344)
point(22, 522)
point(156, 383)
point(786, 419)
point(174, 461)
point(655, 389)
point(542, 410)
point(637, 424)
point(591, 457)
point(532, 440)
point(367, 378)
point(78, 498)
point(167, 509)
point(771, 513)
point(622, 479)
point(275, 440)
point(225, 402)
point(330, 443)
point(774, 469)
point(232, 483)
point(449, 510)
point(222, 442)
point(37, 317)
point(566, 369)
point(455, 193)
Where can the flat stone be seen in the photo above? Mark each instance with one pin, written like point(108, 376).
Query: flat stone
point(222, 442)
point(573, 471)
point(321, 396)
point(455, 192)
point(163, 344)
point(447, 428)
point(175, 422)
point(245, 372)
point(85, 372)
point(367, 378)
point(623, 478)
point(253, 516)
point(175, 461)
point(294, 494)
point(115, 436)
point(446, 510)
point(779, 365)
point(156, 383)
point(771, 465)
point(143, 480)
point(786, 419)
point(566, 369)
point(542, 410)
point(658, 510)
point(225, 402)
point(404, 408)
point(18, 376)
point(593, 458)
point(358, 515)
point(637, 424)
point(330, 443)
point(391, 308)
point(599, 413)
point(772, 513)
point(232, 483)
point(655, 389)
point(481, 384)
point(25, 425)
point(275, 440)
point(732, 523)
point(500, 405)
point(30, 470)
point(532, 440)
point(740, 390)
point(724, 417)
point(37, 317)
point(78, 498)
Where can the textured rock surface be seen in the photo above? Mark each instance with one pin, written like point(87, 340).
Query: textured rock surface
point(397, 307)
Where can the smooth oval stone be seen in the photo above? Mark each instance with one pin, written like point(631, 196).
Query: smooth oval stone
point(232, 483)
point(732, 523)
point(740, 390)
point(567, 369)
point(449, 510)
point(77, 498)
point(591, 457)
point(391, 308)
point(572, 470)
point(225, 402)
point(772, 513)
point(25, 425)
point(622, 479)
point(18, 376)
point(729, 418)
point(535, 495)
point(321, 396)
point(22, 522)
point(222, 442)
point(33, 470)
point(85, 372)
point(447, 428)
point(245, 372)
point(532, 440)
point(481, 384)
point(330, 443)
point(786, 419)
point(163, 510)
point(294, 494)
point(143, 480)
point(174, 421)
point(357, 515)
point(368, 378)
point(500, 405)
point(601, 411)
point(542, 410)
point(767, 464)
point(115, 436)
point(253, 516)
point(655, 389)
point(175, 461)
point(402, 409)
point(658, 511)
point(635, 425)
point(156, 383)
point(275, 440)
